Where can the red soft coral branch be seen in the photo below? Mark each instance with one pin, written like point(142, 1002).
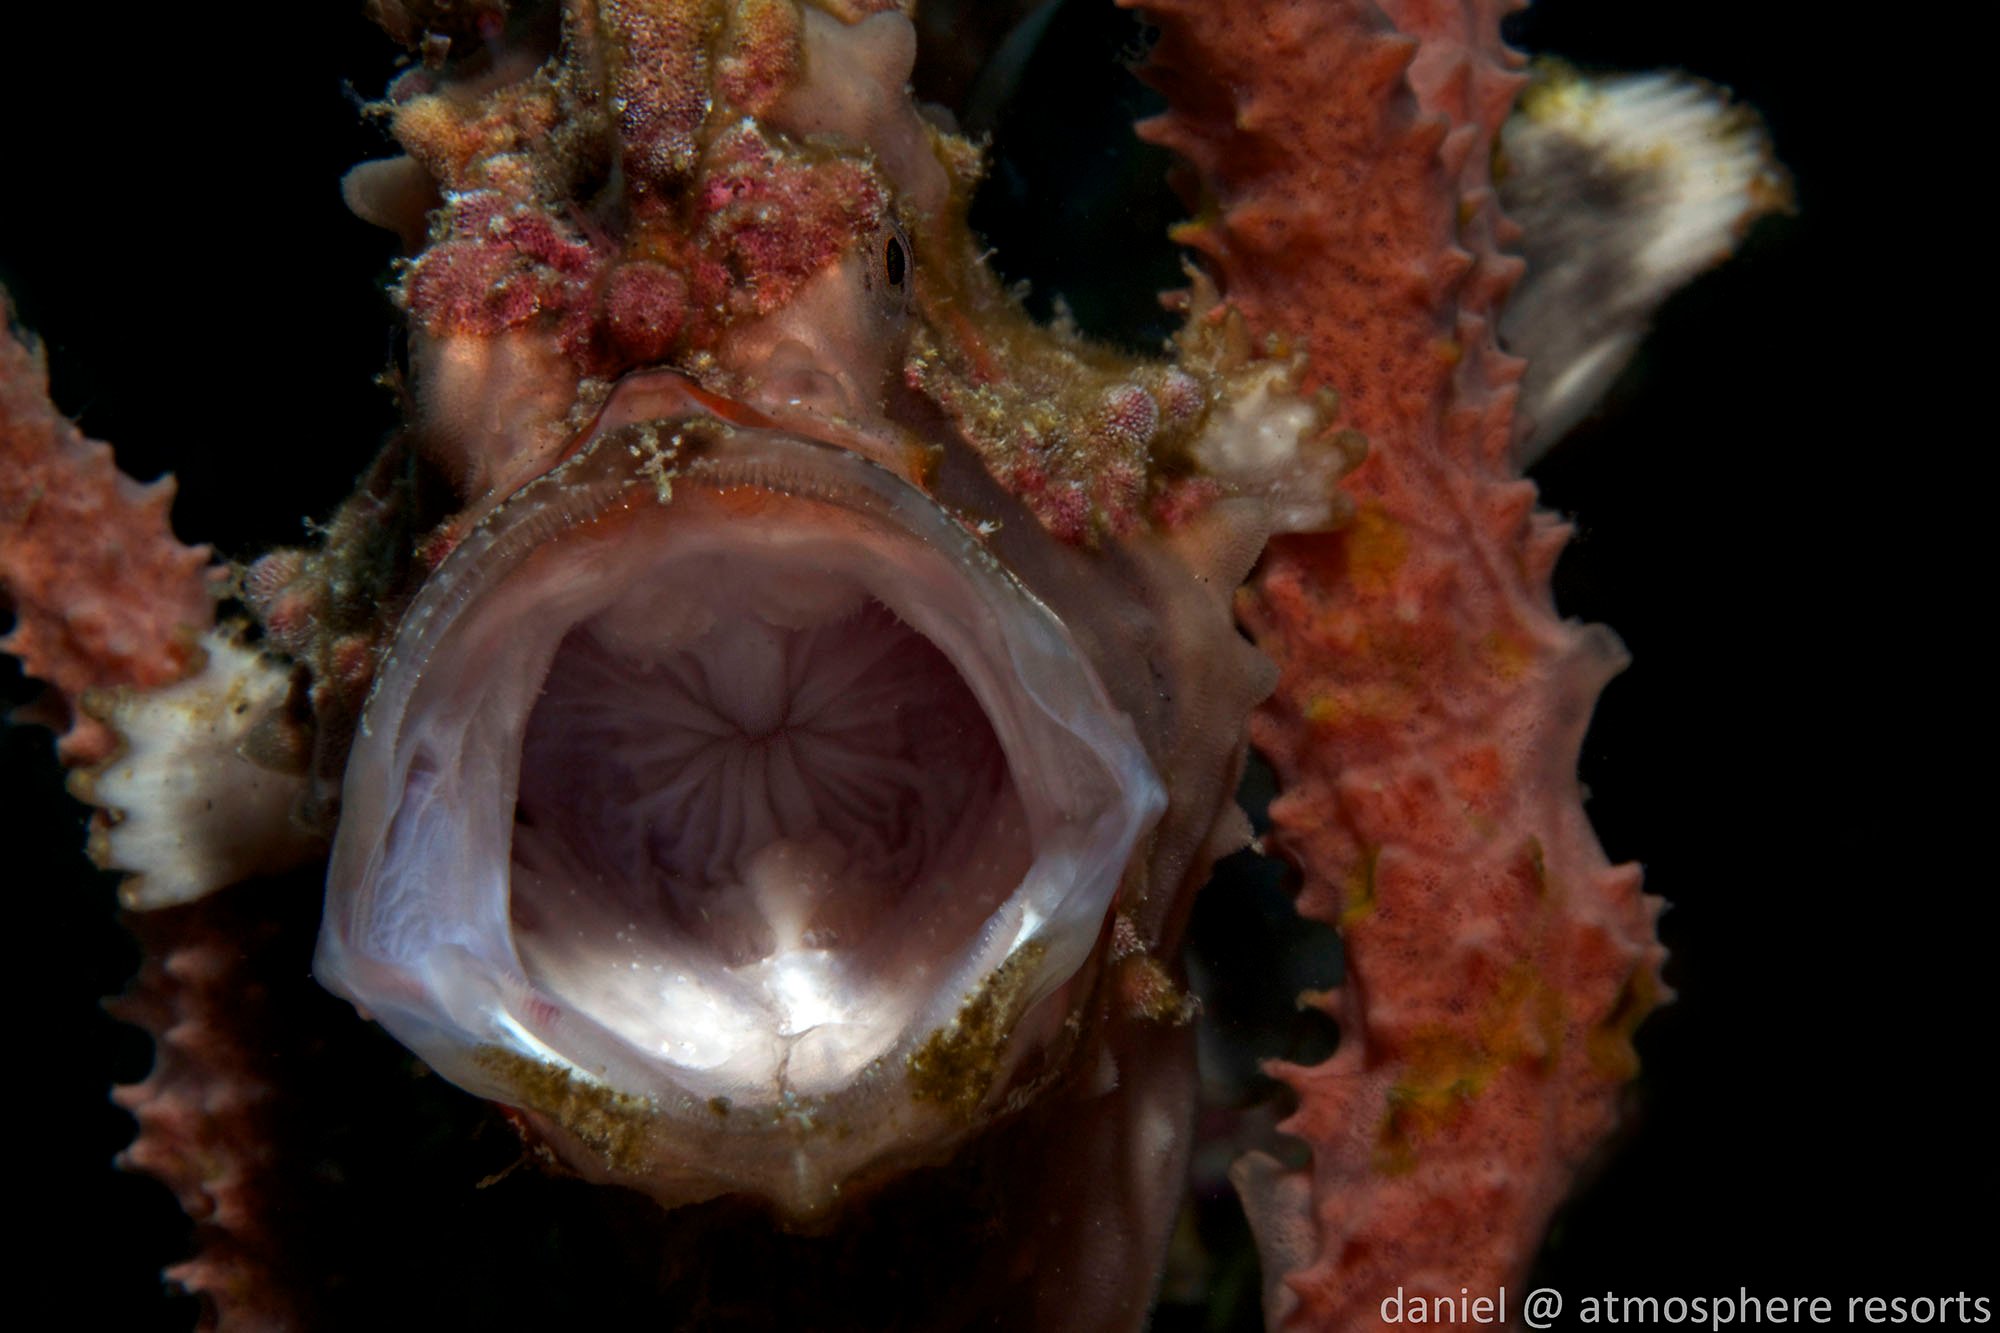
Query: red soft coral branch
point(101, 592)
point(209, 1113)
point(1432, 703)
point(104, 597)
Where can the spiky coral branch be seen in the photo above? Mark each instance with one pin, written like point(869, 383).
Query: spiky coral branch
point(1432, 703)
point(105, 598)
point(102, 594)
point(206, 1111)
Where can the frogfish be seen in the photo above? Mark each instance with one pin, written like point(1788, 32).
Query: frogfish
point(762, 722)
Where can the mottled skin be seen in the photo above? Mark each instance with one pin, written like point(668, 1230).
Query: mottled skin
point(1429, 703)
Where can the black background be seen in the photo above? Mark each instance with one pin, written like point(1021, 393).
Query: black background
point(1814, 1115)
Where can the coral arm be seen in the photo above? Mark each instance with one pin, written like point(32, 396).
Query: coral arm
point(1431, 705)
point(102, 594)
point(208, 1111)
point(104, 597)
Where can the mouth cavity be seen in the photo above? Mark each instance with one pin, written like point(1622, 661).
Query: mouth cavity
point(754, 806)
point(713, 778)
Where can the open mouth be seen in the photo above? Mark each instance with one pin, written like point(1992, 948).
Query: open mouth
point(755, 805)
point(723, 773)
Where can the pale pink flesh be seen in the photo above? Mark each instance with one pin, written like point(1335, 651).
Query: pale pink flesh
point(785, 810)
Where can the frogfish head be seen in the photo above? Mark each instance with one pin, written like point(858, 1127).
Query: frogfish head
point(798, 746)
point(753, 833)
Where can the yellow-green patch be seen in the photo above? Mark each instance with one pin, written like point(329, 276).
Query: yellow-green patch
point(614, 1125)
point(956, 1065)
point(1357, 900)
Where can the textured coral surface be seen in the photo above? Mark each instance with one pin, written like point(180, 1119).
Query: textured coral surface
point(102, 594)
point(207, 1112)
point(1426, 728)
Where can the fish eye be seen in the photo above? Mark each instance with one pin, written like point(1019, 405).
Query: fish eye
point(896, 260)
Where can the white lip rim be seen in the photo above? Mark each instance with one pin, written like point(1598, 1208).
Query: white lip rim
point(495, 1003)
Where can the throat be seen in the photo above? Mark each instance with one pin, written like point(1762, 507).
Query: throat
point(771, 812)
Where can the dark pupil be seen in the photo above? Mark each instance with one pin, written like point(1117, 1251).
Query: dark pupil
point(895, 260)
